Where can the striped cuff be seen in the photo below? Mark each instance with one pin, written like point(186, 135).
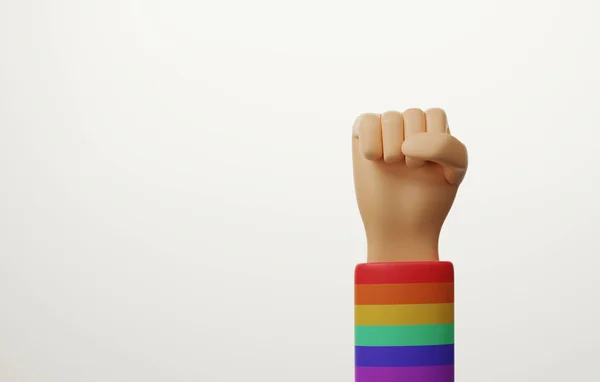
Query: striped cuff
point(404, 322)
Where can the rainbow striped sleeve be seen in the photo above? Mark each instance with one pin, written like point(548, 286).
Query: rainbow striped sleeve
point(404, 322)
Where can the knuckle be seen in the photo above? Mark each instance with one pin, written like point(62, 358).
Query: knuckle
point(368, 116)
point(391, 114)
point(368, 120)
point(436, 110)
point(413, 111)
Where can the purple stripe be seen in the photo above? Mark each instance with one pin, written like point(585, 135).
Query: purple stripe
point(404, 356)
point(405, 374)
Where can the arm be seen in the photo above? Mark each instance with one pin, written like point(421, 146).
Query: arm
point(407, 168)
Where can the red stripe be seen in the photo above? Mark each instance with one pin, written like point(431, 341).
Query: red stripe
point(403, 273)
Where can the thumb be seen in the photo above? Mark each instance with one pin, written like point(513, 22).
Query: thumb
point(440, 148)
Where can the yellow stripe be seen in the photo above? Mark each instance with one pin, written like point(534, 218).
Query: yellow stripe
point(414, 314)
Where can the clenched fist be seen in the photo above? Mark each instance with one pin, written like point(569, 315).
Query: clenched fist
point(407, 169)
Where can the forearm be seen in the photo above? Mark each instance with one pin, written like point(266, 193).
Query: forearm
point(404, 322)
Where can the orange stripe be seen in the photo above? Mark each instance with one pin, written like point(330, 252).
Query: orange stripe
point(392, 294)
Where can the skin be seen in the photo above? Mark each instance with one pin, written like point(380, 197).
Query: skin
point(407, 170)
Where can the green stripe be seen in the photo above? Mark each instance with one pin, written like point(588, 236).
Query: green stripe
point(406, 335)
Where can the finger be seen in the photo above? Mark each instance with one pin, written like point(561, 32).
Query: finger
point(440, 148)
point(370, 142)
point(414, 123)
point(392, 132)
point(436, 121)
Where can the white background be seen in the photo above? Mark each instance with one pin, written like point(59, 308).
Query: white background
point(176, 199)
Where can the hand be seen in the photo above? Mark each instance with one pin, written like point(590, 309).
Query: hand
point(407, 169)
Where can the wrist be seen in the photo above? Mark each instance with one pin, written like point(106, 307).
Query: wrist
point(401, 249)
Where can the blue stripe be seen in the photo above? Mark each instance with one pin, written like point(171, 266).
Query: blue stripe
point(392, 356)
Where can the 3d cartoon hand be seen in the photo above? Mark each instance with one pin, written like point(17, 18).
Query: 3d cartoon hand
point(407, 169)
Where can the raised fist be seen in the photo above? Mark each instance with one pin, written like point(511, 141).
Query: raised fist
point(407, 169)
